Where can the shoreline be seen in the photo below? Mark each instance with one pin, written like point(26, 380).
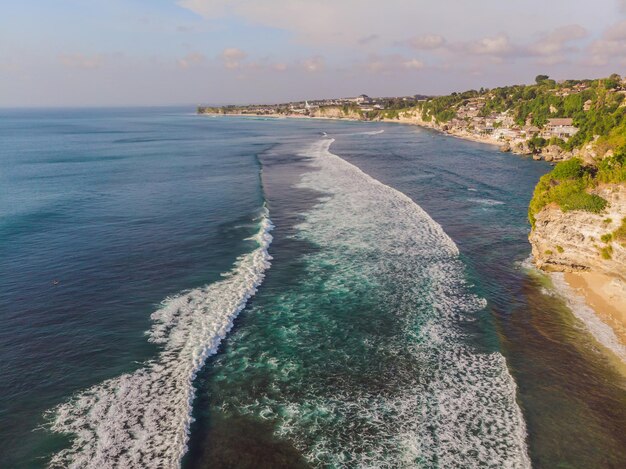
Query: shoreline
point(599, 302)
point(605, 295)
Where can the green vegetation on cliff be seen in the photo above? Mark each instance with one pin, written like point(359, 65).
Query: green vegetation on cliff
point(443, 108)
point(568, 185)
point(597, 107)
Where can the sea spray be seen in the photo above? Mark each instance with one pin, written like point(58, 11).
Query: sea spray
point(142, 419)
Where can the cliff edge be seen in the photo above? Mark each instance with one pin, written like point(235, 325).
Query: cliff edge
point(579, 240)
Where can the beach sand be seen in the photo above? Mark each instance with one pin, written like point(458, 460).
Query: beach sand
point(605, 295)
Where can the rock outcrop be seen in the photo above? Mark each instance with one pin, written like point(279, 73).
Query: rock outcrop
point(582, 241)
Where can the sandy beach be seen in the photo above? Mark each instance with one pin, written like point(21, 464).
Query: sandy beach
point(599, 302)
point(605, 295)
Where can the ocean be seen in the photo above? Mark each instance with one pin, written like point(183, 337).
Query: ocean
point(183, 290)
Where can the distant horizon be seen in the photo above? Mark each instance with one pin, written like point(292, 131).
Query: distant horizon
point(309, 98)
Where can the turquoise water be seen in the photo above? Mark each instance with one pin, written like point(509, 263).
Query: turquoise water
point(228, 292)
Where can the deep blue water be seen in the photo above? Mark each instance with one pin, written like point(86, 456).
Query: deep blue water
point(104, 214)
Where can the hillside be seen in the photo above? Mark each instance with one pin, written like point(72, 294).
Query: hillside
point(585, 118)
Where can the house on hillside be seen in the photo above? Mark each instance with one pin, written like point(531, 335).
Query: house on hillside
point(561, 128)
point(531, 130)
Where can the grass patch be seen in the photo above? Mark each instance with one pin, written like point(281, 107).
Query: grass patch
point(606, 252)
point(606, 238)
point(620, 233)
point(560, 249)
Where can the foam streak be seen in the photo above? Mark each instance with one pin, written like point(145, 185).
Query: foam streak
point(142, 419)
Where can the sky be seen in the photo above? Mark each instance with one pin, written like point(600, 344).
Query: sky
point(162, 52)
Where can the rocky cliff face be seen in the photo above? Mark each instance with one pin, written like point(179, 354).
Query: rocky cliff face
point(581, 241)
point(335, 112)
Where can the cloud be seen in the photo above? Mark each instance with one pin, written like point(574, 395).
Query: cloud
point(557, 42)
point(232, 57)
point(616, 32)
point(549, 49)
point(344, 22)
point(314, 64)
point(413, 64)
point(497, 46)
point(390, 64)
point(553, 47)
point(194, 58)
point(81, 61)
point(426, 42)
point(279, 67)
point(611, 47)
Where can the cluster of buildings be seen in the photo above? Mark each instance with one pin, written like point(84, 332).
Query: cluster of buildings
point(501, 126)
point(363, 102)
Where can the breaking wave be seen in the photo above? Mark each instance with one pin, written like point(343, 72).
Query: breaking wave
point(440, 402)
point(142, 419)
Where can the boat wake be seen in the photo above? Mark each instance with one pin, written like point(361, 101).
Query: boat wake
point(142, 419)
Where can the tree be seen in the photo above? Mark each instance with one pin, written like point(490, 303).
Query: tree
point(540, 78)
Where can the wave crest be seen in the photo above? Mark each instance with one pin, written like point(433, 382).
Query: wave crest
point(142, 419)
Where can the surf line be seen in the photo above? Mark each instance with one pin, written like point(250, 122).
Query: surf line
point(142, 419)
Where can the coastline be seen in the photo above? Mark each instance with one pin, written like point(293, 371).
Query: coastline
point(605, 295)
point(401, 120)
point(599, 302)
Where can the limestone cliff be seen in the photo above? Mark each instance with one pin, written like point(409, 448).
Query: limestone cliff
point(337, 112)
point(580, 240)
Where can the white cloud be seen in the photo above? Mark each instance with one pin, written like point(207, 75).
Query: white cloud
point(81, 61)
point(413, 64)
point(194, 58)
point(232, 57)
point(549, 49)
point(314, 64)
point(426, 42)
point(498, 46)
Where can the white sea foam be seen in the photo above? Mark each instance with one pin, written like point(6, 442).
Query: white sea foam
point(601, 331)
point(488, 202)
point(460, 409)
point(142, 419)
point(373, 132)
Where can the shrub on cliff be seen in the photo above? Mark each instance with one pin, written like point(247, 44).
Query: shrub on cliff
point(620, 233)
point(566, 186)
point(613, 168)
